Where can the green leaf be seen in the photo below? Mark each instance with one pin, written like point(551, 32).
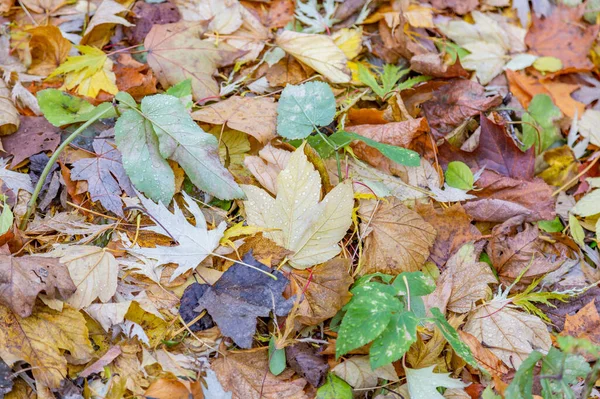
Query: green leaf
point(576, 230)
point(459, 175)
point(551, 226)
point(588, 205)
point(452, 49)
point(395, 340)
point(389, 77)
point(181, 89)
point(542, 113)
point(397, 154)
point(522, 384)
point(366, 77)
point(489, 393)
point(61, 108)
point(418, 283)
point(334, 388)
point(369, 288)
point(410, 82)
point(339, 139)
point(449, 332)
point(276, 357)
point(6, 219)
point(365, 319)
point(571, 344)
point(422, 383)
point(162, 130)
point(303, 108)
point(568, 367)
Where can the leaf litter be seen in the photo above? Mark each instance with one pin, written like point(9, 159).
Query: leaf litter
point(299, 199)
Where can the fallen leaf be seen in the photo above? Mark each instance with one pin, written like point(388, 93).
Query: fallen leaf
point(135, 78)
point(105, 175)
point(459, 7)
point(468, 279)
point(454, 102)
point(106, 13)
point(9, 116)
point(584, 324)
point(254, 116)
point(164, 388)
point(98, 366)
point(305, 360)
point(287, 71)
point(575, 39)
point(513, 248)
point(423, 383)
point(89, 72)
point(497, 151)
point(149, 14)
point(48, 49)
point(267, 165)
point(41, 338)
point(6, 382)
point(310, 228)
point(396, 238)
point(281, 13)
point(241, 295)
point(485, 357)
point(93, 270)
point(501, 198)
point(318, 52)
point(127, 365)
point(108, 314)
point(189, 301)
point(323, 289)
point(195, 242)
point(251, 37)
point(14, 181)
point(246, 375)
point(176, 52)
point(23, 278)
point(399, 134)
point(454, 229)
point(35, 135)
point(357, 372)
point(562, 167)
point(510, 334)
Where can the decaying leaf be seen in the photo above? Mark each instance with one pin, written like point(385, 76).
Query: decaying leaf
point(357, 372)
point(35, 135)
point(397, 239)
point(241, 295)
point(310, 228)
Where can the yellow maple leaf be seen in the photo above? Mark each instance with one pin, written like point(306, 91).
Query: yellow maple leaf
point(89, 72)
point(41, 338)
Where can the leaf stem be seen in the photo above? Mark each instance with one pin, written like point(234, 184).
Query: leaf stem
point(38, 188)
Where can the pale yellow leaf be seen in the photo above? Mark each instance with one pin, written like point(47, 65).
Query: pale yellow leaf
point(107, 14)
point(108, 314)
point(318, 52)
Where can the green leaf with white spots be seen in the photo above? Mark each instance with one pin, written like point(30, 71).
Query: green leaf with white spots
point(451, 335)
point(568, 367)
point(366, 318)
point(413, 284)
point(163, 129)
point(303, 108)
point(395, 340)
point(459, 175)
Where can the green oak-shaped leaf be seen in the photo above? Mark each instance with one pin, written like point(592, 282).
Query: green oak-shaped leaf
point(459, 175)
point(304, 107)
point(162, 130)
point(396, 339)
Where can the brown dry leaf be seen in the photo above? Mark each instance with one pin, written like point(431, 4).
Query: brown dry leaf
point(396, 238)
point(496, 151)
point(287, 71)
point(357, 372)
point(365, 116)
point(246, 375)
point(563, 35)
point(48, 49)
point(23, 278)
point(254, 116)
point(514, 247)
point(468, 279)
point(176, 52)
point(9, 116)
point(41, 338)
point(105, 360)
point(266, 166)
point(460, 7)
point(509, 333)
point(35, 135)
point(425, 354)
point(128, 366)
point(432, 64)
point(454, 230)
point(501, 198)
point(281, 13)
point(584, 324)
point(135, 78)
point(44, 6)
point(454, 102)
point(165, 388)
point(323, 289)
point(485, 357)
point(399, 134)
point(264, 250)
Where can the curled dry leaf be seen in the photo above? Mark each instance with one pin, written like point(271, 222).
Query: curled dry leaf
point(323, 289)
point(485, 357)
point(397, 239)
point(41, 338)
point(9, 116)
point(584, 324)
point(454, 229)
point(23, 278)
point(246, 375)
point(509, 333)
point(48, 49)
point(267, 165)
point(305, 360)
point(254, 116)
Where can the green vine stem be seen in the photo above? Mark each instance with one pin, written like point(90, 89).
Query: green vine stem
point(36, 192)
